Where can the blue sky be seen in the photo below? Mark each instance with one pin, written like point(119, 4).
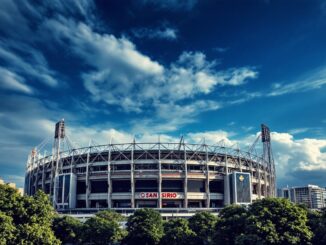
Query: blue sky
point(202, 69)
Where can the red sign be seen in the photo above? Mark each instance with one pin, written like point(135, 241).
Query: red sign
point(169, 195)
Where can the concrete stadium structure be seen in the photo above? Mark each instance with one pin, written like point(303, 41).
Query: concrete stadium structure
point(174, 178)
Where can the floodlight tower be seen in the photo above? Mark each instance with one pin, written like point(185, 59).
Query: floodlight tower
point(59, 136)
point(268, 156)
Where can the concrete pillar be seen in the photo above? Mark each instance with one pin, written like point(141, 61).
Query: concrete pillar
point(88, 187)
point(159, 177)
point(109, 178)
point(226, 182)
point(185, 185)
point(208, 199)
point(132, 178)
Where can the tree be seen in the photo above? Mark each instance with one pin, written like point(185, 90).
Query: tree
point(31, 216)
point(144, 227)
point(278, 221)
point(177, 232)
point(7, 229)
point(67, 229)
point(104, 228)
point(11, 202)
point(317, 224)
point(231, 223)
point(203, 224)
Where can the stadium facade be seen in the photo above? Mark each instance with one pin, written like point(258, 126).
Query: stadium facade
point(171, 177)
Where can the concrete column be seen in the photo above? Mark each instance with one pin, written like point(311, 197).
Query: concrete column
point(88, 190)
point(239, 159)
point(43, 172)
point(109, 178)
point(251, 172)
point(259, 180)
point(208, 199)
point(159, 177)
point(37, 172)
point(226, 182)
point(52, 178)
point(132, 178)
point(185, 185)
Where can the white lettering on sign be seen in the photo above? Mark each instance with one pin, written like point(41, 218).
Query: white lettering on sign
point(148, 195)
point(154, 195)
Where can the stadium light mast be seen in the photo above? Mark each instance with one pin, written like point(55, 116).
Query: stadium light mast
point(268, 156)
point(59, 135)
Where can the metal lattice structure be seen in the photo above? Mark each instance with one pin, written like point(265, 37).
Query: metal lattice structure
point(159, 175)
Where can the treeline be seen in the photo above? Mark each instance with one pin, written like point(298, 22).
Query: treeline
point(32, 220)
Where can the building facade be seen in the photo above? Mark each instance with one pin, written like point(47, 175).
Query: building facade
point(166, 176)
point(312, 196)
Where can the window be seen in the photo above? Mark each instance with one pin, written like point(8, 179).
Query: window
point(99, 186)
point(121, 186)
point(146, 186)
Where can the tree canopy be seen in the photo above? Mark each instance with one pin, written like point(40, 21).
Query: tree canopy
point(177, 232)
point(7, 229)
point(317, 224)
point(266, 221)
point(144, 227)
point(269, 221)
point(104, 228)
point(203, 224)
point(67, 229)
point(278, 221)
point(232, 222)
point(27, 219)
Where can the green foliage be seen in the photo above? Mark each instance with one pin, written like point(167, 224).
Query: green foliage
point(7, 229)
point(30, 216)
point(104, 228)
point(232, 222)
point(11, 203)
point(67, 229)
point(35, 234)
point(317, 223)
point(30, 220)
point(278, 221)
point(267, 221)
point(203, 224)
point(145, 227)
point(177, 232)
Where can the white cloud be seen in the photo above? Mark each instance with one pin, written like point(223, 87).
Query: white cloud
point(211, 137)
point(314, 81)
point(125, 77)
point(297, 155)
point(119, 74)
point(11, 81)
point(33, 64)
point(167, 33)
point(104, 52)
point(19, 23)
point(238, 76)
point(299, 130)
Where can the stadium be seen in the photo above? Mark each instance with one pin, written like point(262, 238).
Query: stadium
point(174, 178)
